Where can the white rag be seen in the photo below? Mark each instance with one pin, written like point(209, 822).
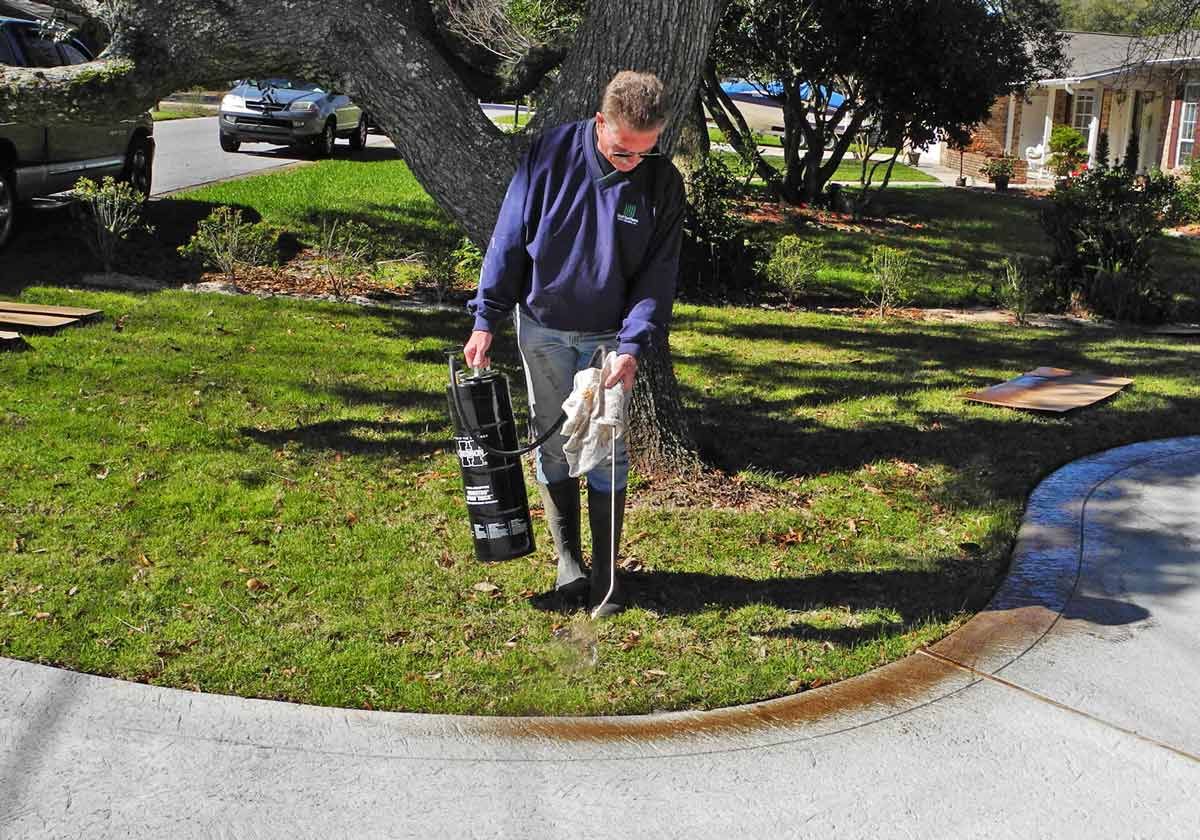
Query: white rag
point(595, 418)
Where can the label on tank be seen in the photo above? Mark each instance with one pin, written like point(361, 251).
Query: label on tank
point(469, 453)
point(497, 531)
point(517, 526)
point(480, 532)
point(480, 494)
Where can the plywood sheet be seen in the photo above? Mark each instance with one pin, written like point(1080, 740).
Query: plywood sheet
point(41, 309)
point(1051, 389)
point(29, 320)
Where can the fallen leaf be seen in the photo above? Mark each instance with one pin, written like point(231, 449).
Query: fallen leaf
point(484, 586)
point(351, 518)
point(446, 561)
point(256, 585)
point(41, 616)
point(654, 672)
point(71, 592)
point(144, 561)
point(631, 639)
point(103, 474)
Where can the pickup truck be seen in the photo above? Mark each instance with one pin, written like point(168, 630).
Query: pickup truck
point(38, 160)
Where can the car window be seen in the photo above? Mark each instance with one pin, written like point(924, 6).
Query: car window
point(6, 51)
point(39, 51)
point(73, 54)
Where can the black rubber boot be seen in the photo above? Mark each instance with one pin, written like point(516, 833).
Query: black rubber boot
point(606, 533)
point(561, 503)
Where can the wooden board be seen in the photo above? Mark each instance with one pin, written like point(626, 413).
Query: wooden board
point(41, 322)
point(1051, 389)
point(39, 309)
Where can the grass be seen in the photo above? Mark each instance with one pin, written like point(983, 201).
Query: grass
point(381, 193)
point(957, 238)
point(847, 171)
point(181, 113)
point(256, 497)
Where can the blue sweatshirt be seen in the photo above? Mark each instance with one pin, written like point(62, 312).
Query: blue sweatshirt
point(580, 246)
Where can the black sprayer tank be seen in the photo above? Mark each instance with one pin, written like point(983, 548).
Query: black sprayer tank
point(497, 505)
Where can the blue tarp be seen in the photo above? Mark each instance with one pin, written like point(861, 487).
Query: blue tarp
point(740, 87)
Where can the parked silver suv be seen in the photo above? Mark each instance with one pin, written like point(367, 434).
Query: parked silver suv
point(290, 112)
point(38, 160)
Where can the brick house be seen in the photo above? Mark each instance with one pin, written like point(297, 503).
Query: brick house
point(1115, 84)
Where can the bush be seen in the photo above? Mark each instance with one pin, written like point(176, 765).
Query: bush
point(1187, 204)
point(224, 241)
point(446, 267)
point(1069, 150)
point(1020, 287)
point(109, 213)
point(893, 274)
point(715, 253)
point(344, 250)
point(1104, 227)
point(794, 266)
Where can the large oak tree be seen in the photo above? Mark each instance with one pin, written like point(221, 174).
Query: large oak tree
point(419, 74)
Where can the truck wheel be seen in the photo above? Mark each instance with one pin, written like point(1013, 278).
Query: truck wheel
point(139, 166)
point(358, 140)
point(323, 145)
point(229, 143)
point(8, 205)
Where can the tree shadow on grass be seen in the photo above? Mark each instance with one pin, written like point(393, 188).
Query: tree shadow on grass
point(377, 438)
point(1001, 453)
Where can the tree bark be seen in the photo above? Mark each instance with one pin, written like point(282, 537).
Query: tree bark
point(392, 60)
point(661, 440)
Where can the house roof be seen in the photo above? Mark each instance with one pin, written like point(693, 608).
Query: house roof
point(1092, 55)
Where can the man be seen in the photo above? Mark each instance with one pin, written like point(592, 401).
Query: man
point(585, 252)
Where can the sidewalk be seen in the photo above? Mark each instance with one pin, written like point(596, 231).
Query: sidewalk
point(1066, 709)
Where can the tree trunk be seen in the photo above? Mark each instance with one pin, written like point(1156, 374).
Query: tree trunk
point(692, 146)
point(661, 440)
point(392, 60)
point(733, 125)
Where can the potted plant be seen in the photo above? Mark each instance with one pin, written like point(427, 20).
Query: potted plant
point(999, 170)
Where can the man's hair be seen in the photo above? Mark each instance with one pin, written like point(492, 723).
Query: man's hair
point(635, 100)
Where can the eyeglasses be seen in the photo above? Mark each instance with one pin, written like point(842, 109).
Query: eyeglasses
point(636, 154)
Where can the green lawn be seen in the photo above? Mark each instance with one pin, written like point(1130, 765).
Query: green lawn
point(181, 113)
point(848, 170)
point(257, 497)
point(381, 193)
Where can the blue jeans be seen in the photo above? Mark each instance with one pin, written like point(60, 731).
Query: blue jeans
point(551, 359)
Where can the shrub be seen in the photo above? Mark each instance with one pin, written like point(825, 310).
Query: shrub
point(1187, 204)
point(109, 213)
point(793, 266)
point(224, 241)
point(893, 273)
point(344, 249)
point(1020, 287)
point(1069, 150)
point(1104, 227)
point(715, 253)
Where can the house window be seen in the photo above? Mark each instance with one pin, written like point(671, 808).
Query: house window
point(1085, 109)
point(1187, 122)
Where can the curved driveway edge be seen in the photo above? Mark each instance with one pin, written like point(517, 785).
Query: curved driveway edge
point(1065, 708)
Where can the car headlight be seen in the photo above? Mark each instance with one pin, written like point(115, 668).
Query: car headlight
point(306, 107)
point(233, 103)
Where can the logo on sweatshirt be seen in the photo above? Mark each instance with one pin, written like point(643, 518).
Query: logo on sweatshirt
point(628, 214)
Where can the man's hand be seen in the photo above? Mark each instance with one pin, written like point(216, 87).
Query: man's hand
point(624, 371)
point(476, 350)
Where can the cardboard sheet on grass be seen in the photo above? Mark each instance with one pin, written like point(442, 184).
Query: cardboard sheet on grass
point(1051, 389)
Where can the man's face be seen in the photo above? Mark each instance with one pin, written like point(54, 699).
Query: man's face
point(616, 140)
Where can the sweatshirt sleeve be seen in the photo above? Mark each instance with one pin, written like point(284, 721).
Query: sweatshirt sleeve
point(506, 263)
point(652, 291)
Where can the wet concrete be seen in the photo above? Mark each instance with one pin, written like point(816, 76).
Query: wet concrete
point(1064, 709)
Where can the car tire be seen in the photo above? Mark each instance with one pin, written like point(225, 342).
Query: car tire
point(8, 205)
point(358, 140)
point(139, 166)
point(323, 145)
point(229, 143)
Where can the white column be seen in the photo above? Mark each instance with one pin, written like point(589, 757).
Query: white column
point(1049, 124)
point(1094, 131)
point(1008, 129)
